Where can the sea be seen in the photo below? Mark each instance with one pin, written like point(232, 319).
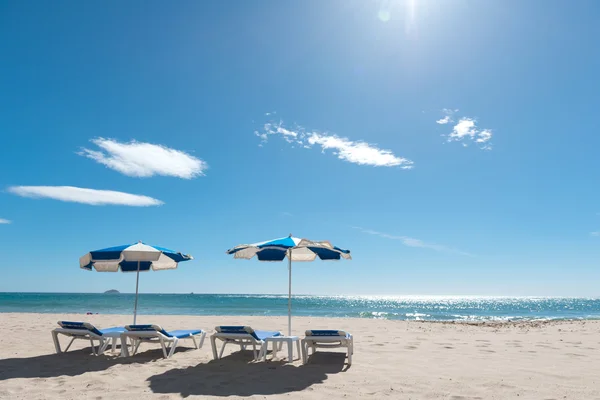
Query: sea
point(423, 308)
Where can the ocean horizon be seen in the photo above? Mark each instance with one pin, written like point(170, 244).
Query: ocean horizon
point(406, 307)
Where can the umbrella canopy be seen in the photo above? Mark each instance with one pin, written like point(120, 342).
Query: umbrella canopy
point(138, 257)
point(295, 249)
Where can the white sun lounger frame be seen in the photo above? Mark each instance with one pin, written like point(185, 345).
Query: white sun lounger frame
point(240, 339)
point(342, 340)
point(103, 341)
point(167, 343)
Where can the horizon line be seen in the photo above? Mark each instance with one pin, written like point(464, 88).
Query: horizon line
point(322, 295)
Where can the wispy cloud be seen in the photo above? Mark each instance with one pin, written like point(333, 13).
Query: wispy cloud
point(144, 160)
point(85, 196)
point(445, 120)
point(5, 221)
point(466, 130)
point(356, 152)
point(597, 233)
point(412, 242)
point(448, 117)
point(484, 136)
point(286, 214)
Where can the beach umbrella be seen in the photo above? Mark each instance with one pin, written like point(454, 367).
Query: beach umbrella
point(294, 249)
point(138, 257)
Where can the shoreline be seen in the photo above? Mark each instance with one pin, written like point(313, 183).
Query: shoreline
point(515, 322)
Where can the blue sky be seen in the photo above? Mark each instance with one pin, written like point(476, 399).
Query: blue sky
point(451, 146)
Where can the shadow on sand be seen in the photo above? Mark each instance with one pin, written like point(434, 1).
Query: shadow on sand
point(72, 363)
point(236, 375)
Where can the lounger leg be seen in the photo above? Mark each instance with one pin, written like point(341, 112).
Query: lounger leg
point(303, 345)
point(103, 345)
point(222, 349)
point(69, 345)
point(173, 346)
point(298, 349)
point(275, 348)
point(114, 344)
point(290, 347)
point(254, 351)
point(350, 350)
point(202, 340)
point(124, 346)
point(305, 350)
point(263, 352)
point(349, 355)
point(213, 344)
point(56, 342)
point(93, 348)
point(137, 346)
point(164, 349)
point(194, 340)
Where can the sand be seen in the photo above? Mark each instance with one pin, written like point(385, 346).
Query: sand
point(393, 359)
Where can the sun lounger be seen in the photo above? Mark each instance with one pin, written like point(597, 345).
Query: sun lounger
point(242, 336)
point(87, 331)
point(327, 339)
point(154, 333)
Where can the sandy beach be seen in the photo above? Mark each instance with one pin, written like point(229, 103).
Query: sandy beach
point(393, 359)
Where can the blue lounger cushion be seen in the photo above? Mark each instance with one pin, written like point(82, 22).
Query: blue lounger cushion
point(327, 333)
point(258, 335)
point(86, 326)
point(113, 330)
point(179, 334)
point(183, 333)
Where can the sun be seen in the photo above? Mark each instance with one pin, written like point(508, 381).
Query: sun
point(388, 6)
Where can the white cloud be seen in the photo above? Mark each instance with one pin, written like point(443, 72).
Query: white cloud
point(271, 128)
point(86, 196)
point(484, 136)
point(5, 221)
point(412, 242)
point(357, 152)
point(595, 233)
point(448, 117)
point(466, 130)
point(144, 160)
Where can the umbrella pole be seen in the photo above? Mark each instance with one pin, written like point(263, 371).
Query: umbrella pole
point(290, 293)
point(137, 283)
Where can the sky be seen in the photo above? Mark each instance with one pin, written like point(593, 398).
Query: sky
point(450, 145)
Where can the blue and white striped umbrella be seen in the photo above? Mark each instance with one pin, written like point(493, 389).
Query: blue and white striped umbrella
point(138, 257)
point(294, 249)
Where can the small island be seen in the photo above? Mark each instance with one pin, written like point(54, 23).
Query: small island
point(112, 291)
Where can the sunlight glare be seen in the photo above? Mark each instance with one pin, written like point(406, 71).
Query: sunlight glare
point(384, 15)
